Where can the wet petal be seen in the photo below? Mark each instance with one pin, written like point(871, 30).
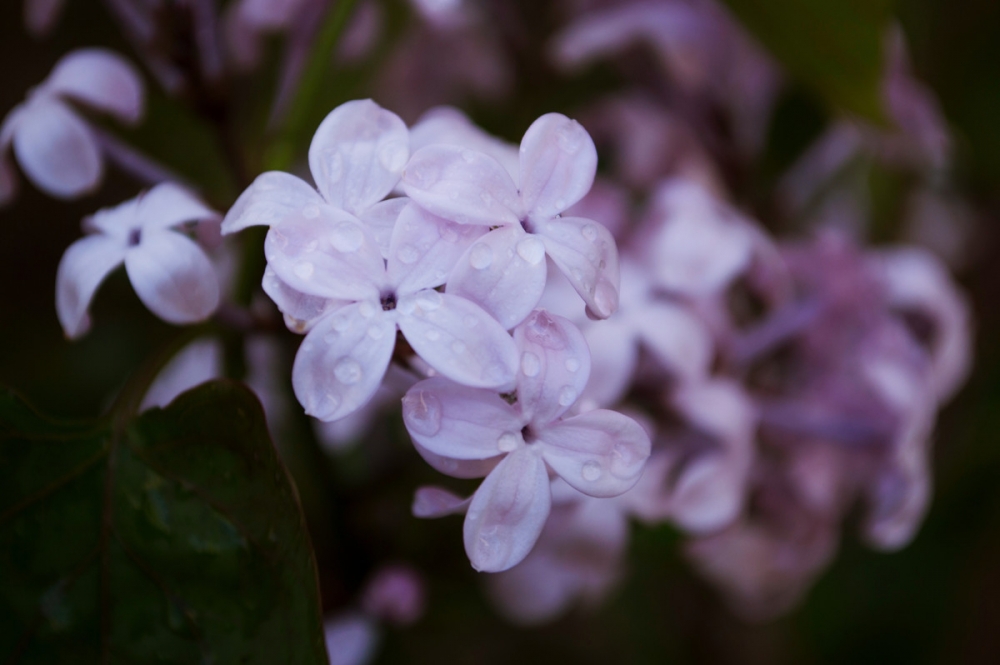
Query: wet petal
point(358, 154)
point(56, 150)
point(507, 512)
point(300, 310)
point(558, 163)
point(331, 255)
point(173, 277)
point(430, 502)
point(600, 453)
point(446, 124)
point(342, 360)
point(458, 339)
point(272, 197)
point(81, 270)
point(462, 185)
point(169, 204)
point(101, 79)
point(676, 337)
point(554, 366)
point(503, 272)
point(586, 253)
point(461, 423)
point(425, 248)
point(381, 220)
point(458, 468)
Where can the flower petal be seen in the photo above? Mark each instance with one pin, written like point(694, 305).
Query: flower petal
point(381, 220)
point(558, 163)
point(462, 185)
point(173, 277)
point(56, 150)
point(81, 270)
point(459, 468)
point(676, 337)
point(555, 366)
point(331, 255)
point(424, 249)
point(503, 272)
point(300, 310)
point(269, 199)
point(613, 359)
point(586, 253)
point(358, 154)
point(507, 512)
point(168, 204)
point(342, 360)
point(600, 453)
point(458, 339)
point(461, 423)
point(101, 79)
point(447, 124)
point(430, 502)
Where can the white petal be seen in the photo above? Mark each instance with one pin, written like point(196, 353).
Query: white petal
point(676, 337)
point(424, 249)
point(272, 197)
point(56, 150)
point(196, 363)
point(430, 502)
point(81, 270)
point(462, 185)
point(503, 272)
point(173, 277)
point(586, 253)
point(600, 453)
point(446, 124)
point(381, 220)
point(558, 163)
point(507, 512)
point(342, 360)
point(358, 154)
point(458, 339)
point(168, 204)
point(101, 79)
point(330, 255)
point(554, 367)
point(301, 310)
point(458, 468)
point(461, 423)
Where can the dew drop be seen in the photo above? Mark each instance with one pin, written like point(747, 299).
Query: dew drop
point(589, 232)
point(568, 137)
point(330, 337)
point(458, 347)
point(507, 442)
point(279, 239)
point(334, 166)
point(366, 309)
point(347, 237)
point(408, 254)
point(470, 321)
point(566, 396)
point(429, 300)
point(530, 364)
point(468, 156)
point(605, 299)
point(341, 322)
point(560, 204)
point(591, 471)
point(447, 233)
point(432, 335)
point(393, 156)
point(572, 364)
point(348, 371)
point(480, 256)
point(310, 212)
point(543, 330)
point(531, 250)
point(625, 453)
point(376, 332)
point(310, 246)
point(486, 198)
point(304, 269)
point(422, 412)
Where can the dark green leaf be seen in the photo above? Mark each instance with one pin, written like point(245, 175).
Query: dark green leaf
point(834, 46)
point(177, 539)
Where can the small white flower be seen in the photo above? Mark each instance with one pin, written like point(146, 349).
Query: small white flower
point(54, 145)
point(169, 272)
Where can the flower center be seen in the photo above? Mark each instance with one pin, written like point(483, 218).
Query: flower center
point(134, 236)
point(388, 302)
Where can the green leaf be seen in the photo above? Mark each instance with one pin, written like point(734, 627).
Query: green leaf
point(834, 46)
point(174, 538)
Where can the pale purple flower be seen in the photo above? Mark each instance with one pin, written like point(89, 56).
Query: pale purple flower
point(170, 273)
point(448, 125)
point(351, 639)
point(56, 148)
point(505, 271)
point(396, 594)
point(469, 433)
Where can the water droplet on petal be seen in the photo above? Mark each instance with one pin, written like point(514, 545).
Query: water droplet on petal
point(605, 299)
point(568, 137)
point(348, 371)
point(531, 249)
point(334, 166)
point(625, 453)
point(560, 204)
point(432, 335)
point(566, 396)
point(530, 364)
point(468, 156)
point(507, 442)
point(480, 256)
point(393, 156)
point(470, 321)
point(429, 300)
point(591, 471)
point(572, 364)
point(310, 246)
point(304, 269)
point(279, 239)
point(366, 309)
point(376, 332)
point(458, 347)
point(408, 254)
point(331, 400)
point(347, 237)
point(422, 412)
point(589, 232)
point(486, 198)
point(447, 233)
point(310, 212)
point(543, 330)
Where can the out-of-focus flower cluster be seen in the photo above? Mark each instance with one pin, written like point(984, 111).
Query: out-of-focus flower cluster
point(630, 348)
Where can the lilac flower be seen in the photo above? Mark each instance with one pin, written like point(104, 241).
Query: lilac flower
point(505, 271)
point(469, 433)
point(169, 271)
point(41, 15)
point(56, 148)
